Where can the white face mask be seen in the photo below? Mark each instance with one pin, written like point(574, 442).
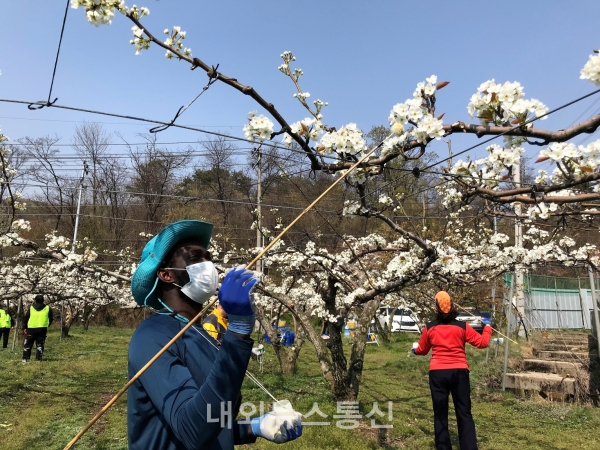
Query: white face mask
point(203, 283)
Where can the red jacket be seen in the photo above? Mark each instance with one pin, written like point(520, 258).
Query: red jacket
point(448, 342)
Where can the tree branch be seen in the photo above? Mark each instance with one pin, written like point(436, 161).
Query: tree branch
point(587, 126)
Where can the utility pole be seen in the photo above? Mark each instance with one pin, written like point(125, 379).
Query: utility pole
point(84, 171)
point(518, 244)
point(259, 263)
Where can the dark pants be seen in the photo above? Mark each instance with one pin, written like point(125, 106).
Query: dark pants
point(37, 335)
point(442, 383)
point(4, 333)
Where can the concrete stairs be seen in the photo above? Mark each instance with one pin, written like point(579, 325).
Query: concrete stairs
point(552, 373)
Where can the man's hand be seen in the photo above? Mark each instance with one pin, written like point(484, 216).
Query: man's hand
point(235, 296)
point(278, 429)
point(25, 331)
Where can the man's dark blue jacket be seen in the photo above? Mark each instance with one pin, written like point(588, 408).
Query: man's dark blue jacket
point(168, 406)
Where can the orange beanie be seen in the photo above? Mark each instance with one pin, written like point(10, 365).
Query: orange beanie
point(444, 302)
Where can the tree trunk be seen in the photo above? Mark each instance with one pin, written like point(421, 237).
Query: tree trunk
point(339, 364)
point(71, 315)
point(343, 379)
point(88, 312)
point(360, 344)
point(287, 356)
point(384, 334)
point(19, 326)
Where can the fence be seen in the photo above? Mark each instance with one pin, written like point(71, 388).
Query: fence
point(554, 302)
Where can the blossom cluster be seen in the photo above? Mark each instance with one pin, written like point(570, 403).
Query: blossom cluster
point(102, 12)
point(573, 160)
point(21, 225)
point(591, 70)
point(139, 41)
point(174, 40)
point(352, 208)
point(541, 210)
point(416, 113)
point(309, 128)
point(258, 128)
point(348, 141)
point(501, 104)
point(490, 170)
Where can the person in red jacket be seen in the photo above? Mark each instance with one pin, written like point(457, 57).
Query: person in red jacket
point(449, 370)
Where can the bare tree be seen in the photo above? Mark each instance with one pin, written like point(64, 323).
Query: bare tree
point(91, 142)
point(112, 192)
point(44, 171)
point(219, 156)
point(154, 176)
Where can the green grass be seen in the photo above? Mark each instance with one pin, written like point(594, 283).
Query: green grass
point(42, 406)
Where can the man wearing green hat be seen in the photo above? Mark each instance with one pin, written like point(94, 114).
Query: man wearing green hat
point(186, 398)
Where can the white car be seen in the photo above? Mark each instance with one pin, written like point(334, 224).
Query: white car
point(475, 321)
point(404, 319)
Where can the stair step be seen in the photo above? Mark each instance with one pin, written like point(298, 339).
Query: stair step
point(563, 368)
point(565, 356)
point(565, 341)
point(546, 383)
point(562, 346)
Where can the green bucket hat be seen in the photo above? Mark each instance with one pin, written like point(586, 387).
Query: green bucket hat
point(144, 280)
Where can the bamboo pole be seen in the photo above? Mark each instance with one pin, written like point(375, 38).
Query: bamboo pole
point(212, 302)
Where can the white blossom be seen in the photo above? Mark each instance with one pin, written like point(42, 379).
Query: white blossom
point(258, 128)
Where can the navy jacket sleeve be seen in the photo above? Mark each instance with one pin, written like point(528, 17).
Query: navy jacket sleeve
point(193, 412)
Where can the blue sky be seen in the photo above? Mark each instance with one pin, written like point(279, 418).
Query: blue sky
point(361, 57)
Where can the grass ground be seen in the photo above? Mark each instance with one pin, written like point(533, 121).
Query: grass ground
point(43, 405)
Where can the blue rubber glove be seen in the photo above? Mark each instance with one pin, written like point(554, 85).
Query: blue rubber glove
point(277, 429)
point(414, 350)
point(235, 296)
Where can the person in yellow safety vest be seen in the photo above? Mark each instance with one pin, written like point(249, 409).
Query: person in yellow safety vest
point(216, 323)
point(6, 324)
point(37, 320)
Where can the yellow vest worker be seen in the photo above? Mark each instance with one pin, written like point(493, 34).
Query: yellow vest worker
point(37, 321)
point(5, 326)
point(5, 319)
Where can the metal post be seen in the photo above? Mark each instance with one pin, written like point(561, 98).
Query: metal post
point(595, 306)
point(258, 204)
point(519, 243)
point(508, 314)
point(558, 321)
point(84, 170)
point(487, 353)
point(581, 303)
